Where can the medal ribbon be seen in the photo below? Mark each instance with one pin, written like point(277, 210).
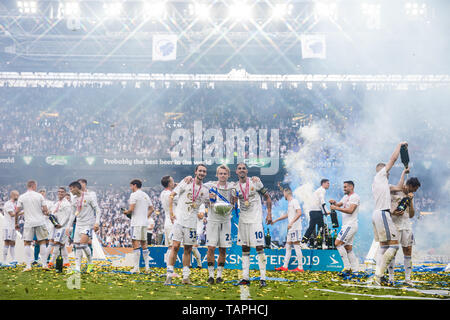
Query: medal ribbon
point(245, 194)
point(80, 204)
point(57, 207)
point(195, 196)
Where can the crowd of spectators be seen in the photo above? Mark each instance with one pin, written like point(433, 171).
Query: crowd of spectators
point(130, 121)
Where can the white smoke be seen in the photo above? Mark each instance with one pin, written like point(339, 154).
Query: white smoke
point(386, 118)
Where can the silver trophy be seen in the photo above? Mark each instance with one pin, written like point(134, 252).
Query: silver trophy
point(222, 208)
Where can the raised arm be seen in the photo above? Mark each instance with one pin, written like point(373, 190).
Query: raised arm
point(395, 156)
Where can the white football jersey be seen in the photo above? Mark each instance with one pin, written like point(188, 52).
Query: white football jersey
point(164, 198)
point(402, 222)
point(62, 209)
point(141, 202)
point(347, 201)
point(87, 208)
point(381, 191)
point(227, 191)
point(253, 212)
point(200, 223)
point(31, 202)
point(293, 206)
point(186, 211)
point(8, 221)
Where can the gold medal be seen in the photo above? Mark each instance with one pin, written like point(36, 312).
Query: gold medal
point(194, 205)
point(76, 213)
point(246, 203)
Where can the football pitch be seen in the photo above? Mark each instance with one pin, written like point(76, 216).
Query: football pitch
point(117, 283)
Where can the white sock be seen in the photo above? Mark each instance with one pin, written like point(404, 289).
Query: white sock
point(220, 268)
point(78, 257)
point(354, 264)
point(287, 255)
point(246, 265)
point(136, 257)
point(262, 260)
point(299, 254)
point(29, 250)
point(64, 254)
point(44, 251)
point(391, 270)
point(380, 252)
point(344, 256)
point(12, 252)
point(169, 270)
point(5, 253)
point(388, 256)
point(408, 267)
point(197, 255)
point(55, 253)
point(166, 256)
point(146, 257)
point(88, 253)
point(211, 269)
point(186, 272)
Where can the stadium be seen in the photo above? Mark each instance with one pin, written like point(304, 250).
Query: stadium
point(297, 92)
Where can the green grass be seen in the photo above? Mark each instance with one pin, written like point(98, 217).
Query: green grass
point(111, 283)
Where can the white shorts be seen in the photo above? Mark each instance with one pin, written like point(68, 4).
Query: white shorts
point(250, 234)
point(168, 235)
point(50, 228)
point(79, 230)
point(40, 232)
point(294, 235)
point(347, 233)
point(59, 235)
point(406, 238)
point(138, 233)
point(188, 236)
point(9, 234)
point(218, 234)
point(384, 228)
